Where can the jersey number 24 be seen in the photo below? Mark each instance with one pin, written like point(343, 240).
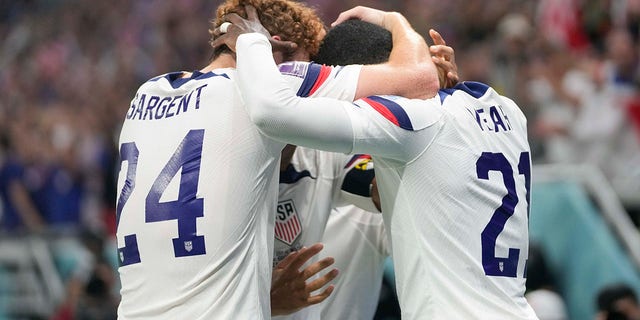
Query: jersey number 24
point(184, 210)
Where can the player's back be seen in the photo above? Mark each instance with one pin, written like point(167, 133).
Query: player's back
point(197, 187)
point(458, 210)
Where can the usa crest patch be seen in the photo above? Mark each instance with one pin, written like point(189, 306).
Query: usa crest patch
point(288, 226)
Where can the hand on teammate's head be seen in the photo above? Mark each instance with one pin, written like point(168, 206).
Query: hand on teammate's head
point(367, 14)
point(443, 57)
point(240, 25)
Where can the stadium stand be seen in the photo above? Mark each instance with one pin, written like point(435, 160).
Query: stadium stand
point(30, 286)
point(68, 69)
point(587, 237)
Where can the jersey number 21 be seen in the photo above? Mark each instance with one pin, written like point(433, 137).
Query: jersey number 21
point(488, 161)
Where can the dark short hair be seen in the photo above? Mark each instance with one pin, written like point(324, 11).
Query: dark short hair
point(609, 295)
point(355, 42)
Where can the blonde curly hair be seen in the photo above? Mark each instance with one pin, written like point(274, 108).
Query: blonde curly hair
point(291, 20)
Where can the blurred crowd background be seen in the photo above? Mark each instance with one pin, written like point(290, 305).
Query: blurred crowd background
point(69, 68)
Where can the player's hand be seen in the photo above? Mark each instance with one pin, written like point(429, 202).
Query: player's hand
point(290, 291)
point(239, 25)
point(367, 14)
point(386, 19)
point(443, 57)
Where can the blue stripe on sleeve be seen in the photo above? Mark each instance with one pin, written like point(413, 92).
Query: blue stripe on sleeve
point(398, 112)
point(309, 80)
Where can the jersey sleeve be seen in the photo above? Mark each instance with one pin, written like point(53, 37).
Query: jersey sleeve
point(394, 127)
point(320, 123)
point(316, 80)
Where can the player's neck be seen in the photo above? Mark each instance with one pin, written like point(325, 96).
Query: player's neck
point(287, 154)
point(222, 61)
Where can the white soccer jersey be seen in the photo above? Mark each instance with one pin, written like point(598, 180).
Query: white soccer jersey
point(455, 195)
point(311, 185)
point(308, 189)
point(195, 210)
point(199, 177)
point(358, 242)
point(453, 174)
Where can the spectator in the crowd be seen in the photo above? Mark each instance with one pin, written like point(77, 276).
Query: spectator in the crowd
point(621, 70)
point(584, 117)
point(67, 69)
point(18, 212)
point(541, 293)
point(617, 302)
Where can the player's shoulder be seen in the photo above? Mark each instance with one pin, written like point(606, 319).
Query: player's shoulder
point(178, 79)
point(478, 91)
point(408, 114)
point(482, 93)
point(313, 78)
point(157, 80)
point(471, 88)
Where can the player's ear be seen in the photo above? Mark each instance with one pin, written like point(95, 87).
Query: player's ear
point(286, 47)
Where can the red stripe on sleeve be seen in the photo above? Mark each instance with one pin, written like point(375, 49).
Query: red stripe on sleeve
point(384, 111)
point(325, 71)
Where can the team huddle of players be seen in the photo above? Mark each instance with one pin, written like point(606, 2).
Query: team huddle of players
point(221, 205)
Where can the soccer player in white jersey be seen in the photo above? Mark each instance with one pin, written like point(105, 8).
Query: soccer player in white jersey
point(311, 179)
point(312, 182)
point(309, 185)
point(453, 173)
point(357, 240)
point(197, 186)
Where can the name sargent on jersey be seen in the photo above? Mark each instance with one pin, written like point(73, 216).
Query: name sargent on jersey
point(152, 107)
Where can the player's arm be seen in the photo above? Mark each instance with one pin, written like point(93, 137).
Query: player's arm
point(374, 125)
point(410, 72)
point(321, 123)
point(290, 290)
point(350, 83)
